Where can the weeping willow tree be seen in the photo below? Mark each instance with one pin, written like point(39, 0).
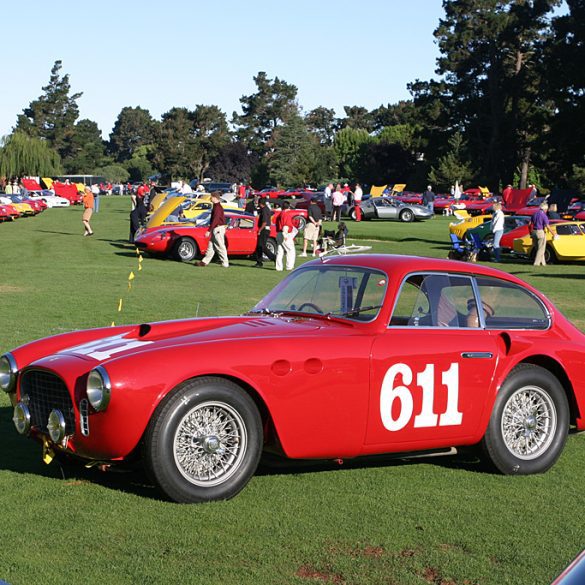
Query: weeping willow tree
point(23, 155)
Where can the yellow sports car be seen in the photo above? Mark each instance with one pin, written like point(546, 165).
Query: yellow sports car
point(22, 208)
point(567, 244)
point(195, 207)
point(466, 223)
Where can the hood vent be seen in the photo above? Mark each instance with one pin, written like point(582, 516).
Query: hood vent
point(257, 323)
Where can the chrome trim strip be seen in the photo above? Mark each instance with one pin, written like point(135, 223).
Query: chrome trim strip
point(477, 354)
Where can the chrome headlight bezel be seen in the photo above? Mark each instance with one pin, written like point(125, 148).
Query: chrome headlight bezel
point(8, 372)
point(99, 389)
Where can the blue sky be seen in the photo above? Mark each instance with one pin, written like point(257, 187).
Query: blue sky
point(181, 53)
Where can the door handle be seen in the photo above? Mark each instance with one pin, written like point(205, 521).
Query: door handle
point(477, 354)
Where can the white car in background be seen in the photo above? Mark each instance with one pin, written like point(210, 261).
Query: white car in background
point(49, 198)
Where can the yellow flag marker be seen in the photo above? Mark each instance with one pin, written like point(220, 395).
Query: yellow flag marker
point(113, 324)
point(131, 276)
point(48, 453)
point(119, 305)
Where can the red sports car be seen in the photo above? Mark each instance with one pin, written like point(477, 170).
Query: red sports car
point(185, 241)
point(8, 213)
point(348, 356)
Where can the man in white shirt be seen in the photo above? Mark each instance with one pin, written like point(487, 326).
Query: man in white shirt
point(327, 201)
point(497, 229)
point(357, 201)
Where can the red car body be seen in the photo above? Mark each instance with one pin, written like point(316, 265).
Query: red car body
point(8, 212)
point(340, 360)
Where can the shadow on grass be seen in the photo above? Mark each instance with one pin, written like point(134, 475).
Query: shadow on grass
point(22, 455)
point(576, 276)
point(76, 234)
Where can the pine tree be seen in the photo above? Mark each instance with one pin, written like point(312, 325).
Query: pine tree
point(53, 115)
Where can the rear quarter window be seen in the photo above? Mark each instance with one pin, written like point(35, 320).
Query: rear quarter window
point(513, 306)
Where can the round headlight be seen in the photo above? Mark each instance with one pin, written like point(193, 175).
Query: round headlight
point(8, 372)
point(99, 388)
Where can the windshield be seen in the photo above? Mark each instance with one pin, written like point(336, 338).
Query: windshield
point(350, 292)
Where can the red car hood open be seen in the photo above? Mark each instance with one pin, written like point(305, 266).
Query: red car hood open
point(514, 199)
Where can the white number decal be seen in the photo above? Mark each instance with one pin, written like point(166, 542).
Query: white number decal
point(390, 392)
point(426, 381)
point(103, 349)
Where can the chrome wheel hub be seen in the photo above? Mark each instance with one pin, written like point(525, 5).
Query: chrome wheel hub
point(210, 443)
point(529, 422)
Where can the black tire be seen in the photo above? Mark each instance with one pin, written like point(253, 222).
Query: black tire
point(185, 250)
point(531, 406)
point(488, 241)
point(271, 245)
point(406, 215)
point(227, 458)
point(352, 213)
point(549, 255)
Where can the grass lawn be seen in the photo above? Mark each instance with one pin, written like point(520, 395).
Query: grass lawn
point(437, 521)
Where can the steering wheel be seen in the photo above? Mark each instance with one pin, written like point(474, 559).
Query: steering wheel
point(311, 306)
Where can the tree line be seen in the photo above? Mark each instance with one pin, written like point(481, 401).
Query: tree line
point(506, 106)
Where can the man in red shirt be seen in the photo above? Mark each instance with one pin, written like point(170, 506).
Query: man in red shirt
point(285, 238)
point(241, 195)
point(216, 234)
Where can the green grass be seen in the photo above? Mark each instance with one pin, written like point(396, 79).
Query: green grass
point(436, 521)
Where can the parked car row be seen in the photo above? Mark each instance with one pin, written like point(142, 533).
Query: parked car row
point(15, 206)
point(565, 243)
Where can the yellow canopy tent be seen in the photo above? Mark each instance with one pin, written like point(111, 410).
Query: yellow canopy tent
point(398, 188)
point(377, 191)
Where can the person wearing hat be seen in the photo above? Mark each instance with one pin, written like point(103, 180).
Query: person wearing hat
point(216, 233)
point(87, 211)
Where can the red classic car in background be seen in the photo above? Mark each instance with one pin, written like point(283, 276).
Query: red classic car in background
point(340, 360)
point(184, 240)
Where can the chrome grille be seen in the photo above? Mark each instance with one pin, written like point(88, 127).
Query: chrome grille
point(46, 392)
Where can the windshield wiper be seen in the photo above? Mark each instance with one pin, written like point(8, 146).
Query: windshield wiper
point(356, 311)
point(264, 311)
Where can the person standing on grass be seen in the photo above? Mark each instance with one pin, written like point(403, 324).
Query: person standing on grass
point(264, 221)
point(87, 211)
point(216, 233)
point(428, 199)
point(497, 229)
point(539, 225)
point(327, 200)
point(95, 190)
point(338, 198)
point(285, 238)
point(357, 201)
point(312, 228)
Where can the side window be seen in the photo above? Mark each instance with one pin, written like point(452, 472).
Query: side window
point(435, 300)
point(245, 224)
point(513, 307)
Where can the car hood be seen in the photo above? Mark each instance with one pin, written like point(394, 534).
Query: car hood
point(153, 336)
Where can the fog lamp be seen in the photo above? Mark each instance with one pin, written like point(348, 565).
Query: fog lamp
point(56, 426)
point(21, 418)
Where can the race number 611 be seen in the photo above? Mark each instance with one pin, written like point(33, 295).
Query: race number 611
point(427, 417)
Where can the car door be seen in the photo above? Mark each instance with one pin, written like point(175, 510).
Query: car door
point(431, 368)
point(240, 236)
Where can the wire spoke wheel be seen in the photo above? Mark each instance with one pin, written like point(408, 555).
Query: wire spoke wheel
point(210, 443)
point(529, 422)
